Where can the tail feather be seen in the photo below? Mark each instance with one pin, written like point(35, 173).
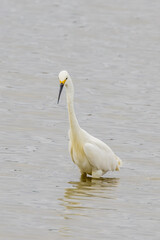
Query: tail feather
point(119, 163)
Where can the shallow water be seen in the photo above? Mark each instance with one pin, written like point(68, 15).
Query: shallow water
point(112, 51)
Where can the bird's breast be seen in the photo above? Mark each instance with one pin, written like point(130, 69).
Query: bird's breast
point(80, 158)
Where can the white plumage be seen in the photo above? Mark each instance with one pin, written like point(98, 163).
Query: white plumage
point(90, 154)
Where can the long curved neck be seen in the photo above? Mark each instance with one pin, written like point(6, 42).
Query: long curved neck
point(74, 125)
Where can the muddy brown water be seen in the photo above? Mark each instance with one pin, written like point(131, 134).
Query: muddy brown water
point(112, 51)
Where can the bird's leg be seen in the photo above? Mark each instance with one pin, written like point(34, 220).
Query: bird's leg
point(83, 175)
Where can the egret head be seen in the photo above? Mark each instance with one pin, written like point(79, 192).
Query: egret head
point(63, 76)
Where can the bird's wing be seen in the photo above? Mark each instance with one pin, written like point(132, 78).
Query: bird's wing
point(100, 157)
point(71, 151)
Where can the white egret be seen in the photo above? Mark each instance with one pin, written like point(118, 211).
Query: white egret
point(92, 156)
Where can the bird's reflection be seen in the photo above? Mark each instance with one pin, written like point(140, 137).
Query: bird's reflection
point(86, 190)
point(82, 198)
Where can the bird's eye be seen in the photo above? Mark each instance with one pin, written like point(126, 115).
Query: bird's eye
point(66, 78)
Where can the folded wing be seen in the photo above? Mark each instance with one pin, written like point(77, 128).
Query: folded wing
point(100, 156)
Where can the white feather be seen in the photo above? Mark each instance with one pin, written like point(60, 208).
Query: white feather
point(91, 155)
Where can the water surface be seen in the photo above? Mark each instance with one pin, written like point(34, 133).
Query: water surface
point(111, 49)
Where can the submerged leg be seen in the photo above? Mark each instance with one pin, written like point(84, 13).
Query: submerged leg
point(83, 177)
point(83, 174)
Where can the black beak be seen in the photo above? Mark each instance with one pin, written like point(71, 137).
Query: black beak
point(60, 90)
